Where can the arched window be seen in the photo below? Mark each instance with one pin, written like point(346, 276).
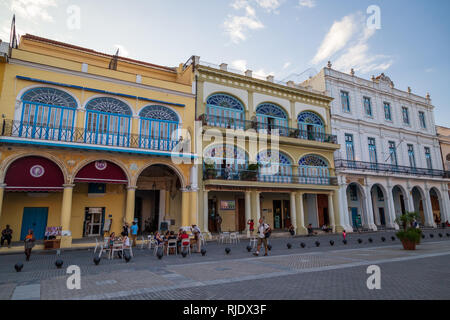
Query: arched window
point(108, 122)
point(157, 124)
point(311, 126)
point(313, 169)
point(225, 111)
point(224, 161)
point(274, 167)
point(47, 113)
point(271, 116)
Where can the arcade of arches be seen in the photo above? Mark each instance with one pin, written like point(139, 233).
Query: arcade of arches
point(88, 195)
point(376, 206)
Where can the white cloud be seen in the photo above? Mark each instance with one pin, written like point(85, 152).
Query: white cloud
point(307, 3)
point(349, 39)
point(269, 5)
point(263, 73)
point(339, 35)
point(240, 65)
point(236, 27)
point(123, 52)
point(429, 70)
point(286, 65)
point(33, 9)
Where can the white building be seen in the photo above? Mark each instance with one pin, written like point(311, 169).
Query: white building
point(390, 160)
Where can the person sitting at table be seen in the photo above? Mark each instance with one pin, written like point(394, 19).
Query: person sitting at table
point(184, 238)
point(196, 231)
point(112, 237)
point(158, 238)
point(310, 230)
point(180, 232)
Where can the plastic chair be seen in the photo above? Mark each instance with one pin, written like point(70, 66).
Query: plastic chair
point(202, 240)
point(172, 244)
point(96, 245)
point(186, 245)
point(253, 242)
point(117, 247)
point(105, 247)
point(157, 246)
point(233, 238)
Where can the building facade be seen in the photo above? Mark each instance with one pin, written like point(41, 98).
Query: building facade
point(87, 141)
point(390, 160)
point(236, 178)
point(444, 141)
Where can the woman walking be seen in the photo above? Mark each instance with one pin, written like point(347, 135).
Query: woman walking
point(29, 243)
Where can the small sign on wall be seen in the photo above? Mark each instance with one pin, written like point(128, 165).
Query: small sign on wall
point(227, 205)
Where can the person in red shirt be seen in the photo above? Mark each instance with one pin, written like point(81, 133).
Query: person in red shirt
point(251, 224)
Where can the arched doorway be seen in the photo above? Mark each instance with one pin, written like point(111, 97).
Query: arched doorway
point(356, 207)
point(99, 198)
point(158, 199)
point(418, 202)
point(33, 196)
point(399, 198)
point(271, 116)
point(436, 205)
point(379, 205)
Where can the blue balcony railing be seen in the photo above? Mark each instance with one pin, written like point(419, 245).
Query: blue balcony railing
point(387, 168)
point(35, 131)
point(250, 175)
point(266, 128)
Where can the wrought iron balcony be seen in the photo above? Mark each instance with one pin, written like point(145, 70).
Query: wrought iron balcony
point(232, 123)
point(252, 175)
point(67, 134)
point(387, 168)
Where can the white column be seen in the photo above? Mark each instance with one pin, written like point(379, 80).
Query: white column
point(248, 211)
point(369, 210)
point(293, 212)
point(391, 216)
point(344, 215)
point(258, 206)
point(428, 210)
point(445, 210)
point(205, 211)
point(300, 219)
point(410, 201)
point(162, 205)
point(331, 212)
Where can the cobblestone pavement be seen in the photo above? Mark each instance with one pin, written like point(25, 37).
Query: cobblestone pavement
point(333, 272)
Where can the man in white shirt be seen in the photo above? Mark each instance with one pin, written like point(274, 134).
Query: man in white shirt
point(263, 229)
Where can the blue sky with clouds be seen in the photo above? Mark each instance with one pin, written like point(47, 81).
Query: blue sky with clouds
point(279, 37)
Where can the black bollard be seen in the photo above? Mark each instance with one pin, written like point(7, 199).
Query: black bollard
point(18, 267)
point(269, 246)
point(331, 242)
point(203, 252)
point(317, 244)
point(383, 239)
point(289, 245)
point(302, 245)
point(59, 263)
point(96, 260)
point(227, 250)
point(344, 241)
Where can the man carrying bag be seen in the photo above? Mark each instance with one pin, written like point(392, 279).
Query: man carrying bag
point(263, 234)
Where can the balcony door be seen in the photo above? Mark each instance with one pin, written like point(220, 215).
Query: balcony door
point(311, 126)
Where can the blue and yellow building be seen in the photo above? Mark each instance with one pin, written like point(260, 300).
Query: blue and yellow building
point(87, 141)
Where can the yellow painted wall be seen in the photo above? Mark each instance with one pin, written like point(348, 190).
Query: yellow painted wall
point(113, 201)
point(15, 202)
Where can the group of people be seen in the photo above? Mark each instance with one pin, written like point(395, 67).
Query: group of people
point(182, 238)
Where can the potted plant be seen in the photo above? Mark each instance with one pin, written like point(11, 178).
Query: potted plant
point(210, 170)
point(409, 236)
point(251, 174)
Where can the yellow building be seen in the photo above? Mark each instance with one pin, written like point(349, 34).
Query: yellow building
point(87, 141)
point(246, 178)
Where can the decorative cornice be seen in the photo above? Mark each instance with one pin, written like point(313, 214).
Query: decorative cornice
point(253, 83)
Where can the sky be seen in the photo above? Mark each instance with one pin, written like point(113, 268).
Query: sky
point(408, 40)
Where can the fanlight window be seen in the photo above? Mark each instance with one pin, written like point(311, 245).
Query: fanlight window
point(270, 117)
point(313, 169)
point(225, 111)
point(274, 167)
point(158, 128)
point(311, 126)
point(47, 113)
point(108, 122)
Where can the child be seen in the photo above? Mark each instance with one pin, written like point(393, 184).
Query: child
point(344, 234)
point(252, 226)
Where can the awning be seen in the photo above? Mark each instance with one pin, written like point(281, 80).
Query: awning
point(101, 172)
point(34, 174)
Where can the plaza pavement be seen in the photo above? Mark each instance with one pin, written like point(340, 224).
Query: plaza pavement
point(324, 272)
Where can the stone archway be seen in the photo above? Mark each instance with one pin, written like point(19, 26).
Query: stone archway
point(436, 206)
point(379, 205)
point(158, 198)
point(418, 198)
point(356, 205)
point(400, 200)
